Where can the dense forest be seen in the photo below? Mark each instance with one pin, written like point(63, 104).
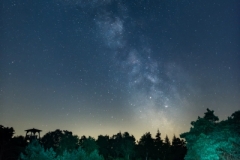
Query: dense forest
point(207, 139)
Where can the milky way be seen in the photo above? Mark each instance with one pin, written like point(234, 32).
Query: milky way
point(153, 85)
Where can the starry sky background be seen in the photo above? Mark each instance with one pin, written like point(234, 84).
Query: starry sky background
point(103, 66)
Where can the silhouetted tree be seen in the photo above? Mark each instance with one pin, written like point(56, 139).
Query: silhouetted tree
point(19, 143)
point(115, 143)
point(166, 148)
point(146, 146)
point(10, 147)
point(104, 145)
point(121, 146)
point(89, 144)
point(158, 145)
point(178, 148)
point(68, 142)
point(52, 139)
point(5, 141)
point(60, 140)
point(127, 145)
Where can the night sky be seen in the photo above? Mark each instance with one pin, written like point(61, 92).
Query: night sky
point(103, 66)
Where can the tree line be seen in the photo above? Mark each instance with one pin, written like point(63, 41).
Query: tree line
point(62, 143)
point(207, 139)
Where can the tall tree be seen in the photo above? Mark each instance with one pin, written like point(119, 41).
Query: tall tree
point(202, 125)
point(158, 145)
point(115, 142)
point(104, 145)
point(178, 148)
point(166, 148)
point(19, 143)
point(146, 146)
point(127, 145)
point(7, 148)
